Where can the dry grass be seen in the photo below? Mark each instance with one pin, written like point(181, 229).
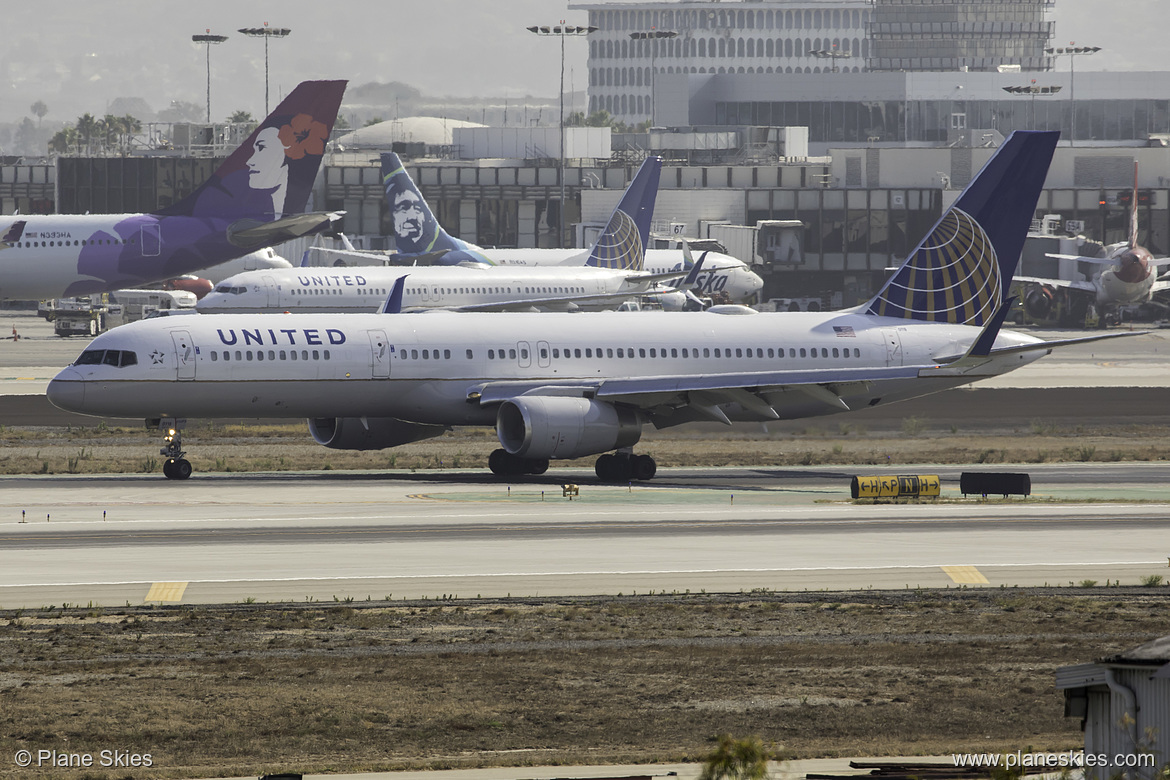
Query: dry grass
point(371, 686)
point(288, 447)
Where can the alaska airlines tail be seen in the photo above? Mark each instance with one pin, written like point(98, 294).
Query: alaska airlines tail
point(622, 244)
point(416, 231)
point(962, 270)
point(271, 175)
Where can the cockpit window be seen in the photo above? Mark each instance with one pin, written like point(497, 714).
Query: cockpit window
point(110, 357)
point(91, 357)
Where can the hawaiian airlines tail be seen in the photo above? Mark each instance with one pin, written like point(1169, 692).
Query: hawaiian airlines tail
point(962, 270)
point(271, 174)
point(622, 244)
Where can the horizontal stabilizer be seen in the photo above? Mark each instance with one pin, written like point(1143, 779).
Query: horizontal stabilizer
point(250, 233)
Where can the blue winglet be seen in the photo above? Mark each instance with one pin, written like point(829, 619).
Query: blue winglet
point(983, 344)
point(305, 259)
point(696, 269)
point(393, 303)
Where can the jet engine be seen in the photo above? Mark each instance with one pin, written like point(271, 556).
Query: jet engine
point(369, 433)
point(1040, 302)
point(564, 427)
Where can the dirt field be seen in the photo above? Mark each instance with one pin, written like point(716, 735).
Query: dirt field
point(248, 689)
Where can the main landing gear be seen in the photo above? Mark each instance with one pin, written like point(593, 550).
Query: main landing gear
point(625, 467)
point(505, 464)
point(175, 466)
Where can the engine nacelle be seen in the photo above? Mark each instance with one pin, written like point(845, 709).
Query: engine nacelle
point(564, 427)
point(370, 433)
point(1040, 302)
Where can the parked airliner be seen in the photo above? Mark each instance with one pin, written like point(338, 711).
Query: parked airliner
point(468, 286)
point(571, 385)
point(420, 239)
point(254, 199)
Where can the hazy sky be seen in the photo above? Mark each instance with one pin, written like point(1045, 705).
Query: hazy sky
point(79, 55)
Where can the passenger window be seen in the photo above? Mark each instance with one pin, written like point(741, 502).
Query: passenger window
point(556, 353)
point(856, 352)
point(446, 354)
point(543, 353)
point(717, 354)
point(707, 352)
point(283, 355)
point(759, 352)
point(577, 352)
point(469, 354)
point(523, 354)
point(511, 354)
point(802, 352)
point(292, 354)
point(214, 356)
point(792, 352)
point(324, 354)
point(771, 352)
point(239, 355)
point(491, 354)
point(824, 352)
point(304, 354)
point(426, 354)
point(316, 355)
point(739, 352)
point(249, 354)
point(642, 352)
point(588, 352)
point(414, 354)
point(620, 352)
point(835, 352)
point(609, 351)
point(271, 355)
point(259, 354)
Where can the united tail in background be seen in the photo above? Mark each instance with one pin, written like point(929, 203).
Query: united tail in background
point(960, 273)
point(417, 233)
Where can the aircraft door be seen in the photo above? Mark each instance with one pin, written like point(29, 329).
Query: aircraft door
point(184, 353)
point(379, 354)
point(272, 298)
point(151, 239)
point(524, 354)
point(542, 354)
point(893, 347)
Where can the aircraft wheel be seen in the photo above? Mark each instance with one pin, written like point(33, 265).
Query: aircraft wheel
point(643, 467)
point(605, 468)
point(535, 465)
point(177, 469)
point(499, 462)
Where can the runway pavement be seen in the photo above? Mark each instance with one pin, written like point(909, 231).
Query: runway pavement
point(112, 540)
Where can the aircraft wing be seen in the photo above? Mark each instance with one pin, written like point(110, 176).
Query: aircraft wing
point(669, 400)
point(253, 233)
point(355, 254)
point(1081, 258)
point(524, 304)
point(1086, 287)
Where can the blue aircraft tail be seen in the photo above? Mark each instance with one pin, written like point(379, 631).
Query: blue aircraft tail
point(962, 270)
point(271, 174)
point(416, 231)
point(623, 243)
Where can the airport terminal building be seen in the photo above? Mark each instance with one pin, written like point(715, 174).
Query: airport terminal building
point(885, 139)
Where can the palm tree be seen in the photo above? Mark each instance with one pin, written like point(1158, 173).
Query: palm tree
point(87, 126)
point(39, 110)
point(63, 141)
point(737, 759)
point(241, 117)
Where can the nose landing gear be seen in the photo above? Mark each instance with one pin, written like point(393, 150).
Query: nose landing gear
point(175, 466)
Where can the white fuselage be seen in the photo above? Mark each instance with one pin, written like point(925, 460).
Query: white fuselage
point(430, 368)
point(365, 289)
point(721, 272)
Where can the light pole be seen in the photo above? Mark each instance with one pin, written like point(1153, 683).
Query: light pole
point(207, 40)
point(562, 31)
point(1072, 50)
point(831, 54)
point(266, 32)
point(1033, 90)
point(653, 35)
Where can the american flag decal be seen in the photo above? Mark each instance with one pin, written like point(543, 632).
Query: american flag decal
point(844, 331)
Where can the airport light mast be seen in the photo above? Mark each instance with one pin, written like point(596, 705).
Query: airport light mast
point(266, 32)
point(1033, 89)
point(207, 40)
point(562, 30)
point(653, 35)
point(1072, 50)
point(831, 54)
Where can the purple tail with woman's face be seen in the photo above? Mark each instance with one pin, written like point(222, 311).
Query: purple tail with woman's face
point(271, 174)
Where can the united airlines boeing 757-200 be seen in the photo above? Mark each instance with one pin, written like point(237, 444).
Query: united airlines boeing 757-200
point(571, 385)
point(254, 199)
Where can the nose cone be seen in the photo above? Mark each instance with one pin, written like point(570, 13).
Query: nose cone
point(67, 391)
